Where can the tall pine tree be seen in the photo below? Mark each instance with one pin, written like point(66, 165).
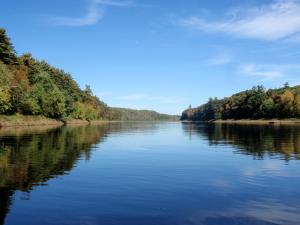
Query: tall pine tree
point(7, 51)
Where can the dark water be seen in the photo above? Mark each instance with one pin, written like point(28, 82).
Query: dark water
point(150, 174)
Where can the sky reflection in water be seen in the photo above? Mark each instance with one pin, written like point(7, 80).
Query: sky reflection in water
point(150, 173)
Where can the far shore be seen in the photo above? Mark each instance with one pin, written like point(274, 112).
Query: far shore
point(252, 122)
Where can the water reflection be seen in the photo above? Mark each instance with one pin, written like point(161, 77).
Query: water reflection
point(257, 140)
point(150, 173)
point(256, 212)
point(32, 156)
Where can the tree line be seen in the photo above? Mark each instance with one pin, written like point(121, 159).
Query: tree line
point(32, 87)
point(124, 114)
point(256, 103)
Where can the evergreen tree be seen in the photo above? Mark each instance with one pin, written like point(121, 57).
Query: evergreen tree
point(7, 52)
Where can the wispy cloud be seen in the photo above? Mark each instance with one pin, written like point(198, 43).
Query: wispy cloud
point(279, 20)
point(94, 13)
point(220, 60)
point(261, 71)
point(294, 38)
point(270, 71)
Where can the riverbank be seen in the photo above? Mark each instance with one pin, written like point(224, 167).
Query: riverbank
point(24, 121)
point(252, 122)
point(18, 120)
point(76, 122)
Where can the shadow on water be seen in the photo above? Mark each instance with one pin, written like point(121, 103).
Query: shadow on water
point(258, 141)
point(32, 156)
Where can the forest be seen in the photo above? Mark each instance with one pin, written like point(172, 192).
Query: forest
point(32, 87)
point(256, 103)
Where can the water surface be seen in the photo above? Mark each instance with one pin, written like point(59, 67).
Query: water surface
point(150, 174)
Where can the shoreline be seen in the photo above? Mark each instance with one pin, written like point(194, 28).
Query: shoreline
point(27, 121)
point(252, 122)
point(19, 121)
point(16, 121)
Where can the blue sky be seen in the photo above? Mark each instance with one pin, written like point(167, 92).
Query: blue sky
point(161, 55)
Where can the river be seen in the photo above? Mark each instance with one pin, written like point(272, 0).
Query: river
point(150, 174)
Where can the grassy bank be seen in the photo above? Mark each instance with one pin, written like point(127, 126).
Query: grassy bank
point(23, 130)
point(86, 122)
point(18, 120)
point(76, 122)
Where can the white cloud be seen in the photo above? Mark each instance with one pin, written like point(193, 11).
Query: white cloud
point(279, 20)
point(271, 71)
point(220, 60)
point(94, 14)
point(262, 71)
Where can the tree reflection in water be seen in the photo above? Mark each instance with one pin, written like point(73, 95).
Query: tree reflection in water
point(32, 156)
point(257, 140)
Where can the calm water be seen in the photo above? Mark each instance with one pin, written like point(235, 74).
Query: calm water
point(150, 174)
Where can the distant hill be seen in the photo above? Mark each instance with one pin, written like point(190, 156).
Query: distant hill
point(32, 87)
point(124, 114)
point(256, 103)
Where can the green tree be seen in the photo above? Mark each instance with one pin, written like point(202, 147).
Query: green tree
point(90, 113)
point(255, 99)
point(49, 98)
point(5, 100)
point(286, 85)
point(7, 52)
point(30, 106)
point(53, 104)
point(297, 106)
point(5, 75)
point(79, 111)
point(268, 108)
point(5, 95)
